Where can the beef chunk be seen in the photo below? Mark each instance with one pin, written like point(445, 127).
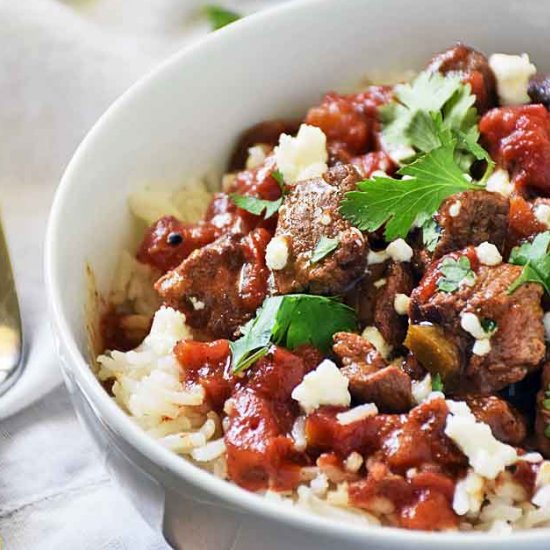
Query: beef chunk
point(375, 304)
point(265, 133)
point(517, 347)
point(506, 423)
point(542, 421)
point(482, 216)
point(473, 68)
point(310, 212)
point(370, 379)
point(220, 286)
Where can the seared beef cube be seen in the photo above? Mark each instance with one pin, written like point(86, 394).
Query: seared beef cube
point(506, 423)
point(370, 379)
point(375, 304)
point(542, 421)
point(517, 346)
point(473, 68)
point(539, 89)
point(479, 216)
point(310, 212)
point(220, 286)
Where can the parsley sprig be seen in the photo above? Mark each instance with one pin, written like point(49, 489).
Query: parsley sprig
point(219, 16)
point(257, 206)
point(455, 273)
point(431, 178)
point(291, 320)
point(324, 246)
point(535, 259)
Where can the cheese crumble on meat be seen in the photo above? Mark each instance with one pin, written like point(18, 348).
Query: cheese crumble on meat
point(401, 304)
point(486, 454)
point(326, 385)
point(256, 157)
point(374, 257)
point(542, 213)
point(374, 336)
point(454, 209)
point(304, 156)
point(512, 73)
point(357, 413)
point(488, 254)
point(399, 251)
point(499, 182)
point(421, 389)
point(276, 254)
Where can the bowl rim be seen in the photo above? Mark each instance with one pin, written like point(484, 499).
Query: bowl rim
point(132, 434)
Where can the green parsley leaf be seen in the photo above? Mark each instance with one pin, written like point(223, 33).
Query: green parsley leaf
point(397, 203)
point(323, 248)
point(455, 273)
point(431, 233)
point(437, 383)
point(535, 259)
point(219, 17)
point(278, 177)
point(291, 320)
point(488, 325)
point(547, 431)
point(256, 206)
point(546, 404)
point(409, 121)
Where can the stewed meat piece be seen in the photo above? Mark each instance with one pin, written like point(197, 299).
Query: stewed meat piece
point(517, 345)
point(374, 299)
point(309, 213)
point(371, 380)
point(471, 218)
point(542, 421)
point(473, 68)
point(220, 286)
point(539, 89)
point(506, 423)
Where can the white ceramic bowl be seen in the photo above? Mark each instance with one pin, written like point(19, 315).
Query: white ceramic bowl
point(182, 121)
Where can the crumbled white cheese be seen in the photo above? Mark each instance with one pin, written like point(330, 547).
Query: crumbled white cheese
point(326, 385)
point(487, 456)
point(542, 213)
point(298, 433)
point(197, 304)
point(421, 389)
point(512, 73)
point(469, 496)
point(488, 254)
point(256, 157)
point(401, 304)
point(481, 347)
point(353, 462)
point(379, 174)
point(357, 413)
point(546, 321)
point(399, 251)
point(532, 458)
point(454, 209)
point(499, 182)
point(471, 324)
point(373, 335)
point(380, 283)
point(304, 156)
point(276, 253)
point(376, 257)
point(543, 475)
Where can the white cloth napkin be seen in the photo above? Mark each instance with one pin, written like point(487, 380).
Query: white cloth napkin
point(61, 64)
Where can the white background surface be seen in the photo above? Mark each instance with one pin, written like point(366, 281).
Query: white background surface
point(61, 64)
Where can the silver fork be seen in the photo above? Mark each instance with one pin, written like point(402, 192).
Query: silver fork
point(11, 334)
